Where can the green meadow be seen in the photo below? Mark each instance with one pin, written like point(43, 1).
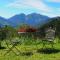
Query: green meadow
point(32, 50)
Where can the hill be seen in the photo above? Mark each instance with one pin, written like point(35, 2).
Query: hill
point(31, 19)
point(54, 23)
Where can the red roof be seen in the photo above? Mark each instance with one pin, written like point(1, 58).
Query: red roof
point(22, 30)
point(27, 30)
point(31, 30)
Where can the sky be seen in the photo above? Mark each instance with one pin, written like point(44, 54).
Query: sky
point(9, 8)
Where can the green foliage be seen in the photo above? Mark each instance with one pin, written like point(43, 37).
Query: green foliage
point(3, 34)
point(54, 23)
point(7, 32)
point(24, 26)
point(33, 52)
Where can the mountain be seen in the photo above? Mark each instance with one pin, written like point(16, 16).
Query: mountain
point(36, 19)
point(3, 21)
point(33, 19)
point(53, 22)
point(17, 19)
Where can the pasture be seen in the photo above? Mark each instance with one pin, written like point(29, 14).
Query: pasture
point(32, 50)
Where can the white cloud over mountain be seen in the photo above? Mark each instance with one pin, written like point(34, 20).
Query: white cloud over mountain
point(35, 4)
point(39, 6)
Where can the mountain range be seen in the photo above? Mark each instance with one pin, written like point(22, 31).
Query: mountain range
point(32, 19)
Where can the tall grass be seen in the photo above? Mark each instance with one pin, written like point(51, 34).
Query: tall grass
point(31, 50)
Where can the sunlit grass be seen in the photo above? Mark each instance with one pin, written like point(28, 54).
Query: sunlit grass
point(31, 47)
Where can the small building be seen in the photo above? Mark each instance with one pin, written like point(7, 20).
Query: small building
point(22, 30)
point(25, 30)
point(30, 32)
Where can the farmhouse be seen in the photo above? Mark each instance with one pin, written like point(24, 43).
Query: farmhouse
point(25, 30)
point(28, 32)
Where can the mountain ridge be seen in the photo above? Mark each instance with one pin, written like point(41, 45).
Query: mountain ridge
point(33, 19)
point(30, 19)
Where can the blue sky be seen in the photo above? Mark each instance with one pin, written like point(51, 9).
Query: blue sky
point(9, 8)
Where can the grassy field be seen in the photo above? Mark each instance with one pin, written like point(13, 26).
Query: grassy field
point(33, 51)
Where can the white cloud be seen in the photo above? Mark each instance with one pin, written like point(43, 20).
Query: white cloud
point(39, 5)
point(57, 1)
point(36, 4)
point(51, 15)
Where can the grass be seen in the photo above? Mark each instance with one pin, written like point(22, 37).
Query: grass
point(32, 51)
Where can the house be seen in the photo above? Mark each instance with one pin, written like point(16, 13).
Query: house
point(27, 30)
point(21, 30)
point(30, 32)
